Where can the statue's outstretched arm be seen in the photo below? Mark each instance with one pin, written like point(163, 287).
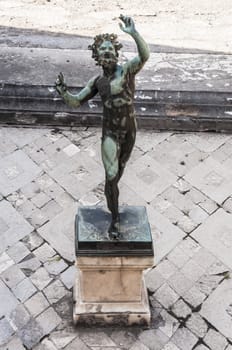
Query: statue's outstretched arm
point(75, 100)
point(143, 50)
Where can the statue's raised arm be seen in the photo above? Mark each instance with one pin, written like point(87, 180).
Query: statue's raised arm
point(136, 63)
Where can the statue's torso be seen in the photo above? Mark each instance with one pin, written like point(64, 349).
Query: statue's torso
point(117, 94)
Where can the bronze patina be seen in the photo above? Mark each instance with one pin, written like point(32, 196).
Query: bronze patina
point(116, 88)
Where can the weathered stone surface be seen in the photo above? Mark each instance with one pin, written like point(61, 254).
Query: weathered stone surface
point(14, 226)
point(184, 339)
point(19, 317)
point(212, 178)
point(48, 320)
point(8, 300)
point(24, 290)
point(153, 339)
point(217, 309)
point(5, 331)
point(36, 304)
point(166, 295)
point(215, 340)
point(16, 170)
point(31, 334)
point(12, 276)
point(217, 238)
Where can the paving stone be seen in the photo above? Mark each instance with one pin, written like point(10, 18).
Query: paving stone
point(214, 235)
point(64, 309)
point(208, 205)
point(18, 252)
point(54, 190)
point(17, 198)
point(212, 178)
point(51, 209)
point(170, 346)
point(227, 205)
point(40, 199)
point(181, 309)
point(182, 202)
point(123, 338)
point(166, 295)
point(29, 264)
point(68, 277)
point(31, 334)
point(12, 276)
point(217, 309)
point(78, 174)
point(201, 347)
point(139, 346)
point(19, 317)
point(41, 278)
point(27, 209)
point(14, 344)
point(154, 339)
point(24, 290)
point(5, 262)
point(71, 150)
point(169, 324)
point(180, 283)
point(194, 297)
point(37, 304)
point(204, 258)
point(192, 271)
point(153, 280)
point(166, 235)
point(166, 268)
point(184, 339)
point(89, 199)
point(24, 136)
point(59, 233)
point(178, 257)
point(209, 142)
point(8, 300)
point(186, 224)
point(16, 170)
point(215, 340)
point(44, 252)
point(33, 241)
point(30, 190)
point(48, 320)
point(198, 215)
point(55, 291)
point(208, 283)
point(45, 344)
point(55, 265)
point(189, 246)
point(5, 331)
point(15, 227)
point(62, 338)
point(218, 268)
point(76, 344)
point(38, 218)
point(91, 338)
point(197, 325)
point(142, 173)
point(172, 213)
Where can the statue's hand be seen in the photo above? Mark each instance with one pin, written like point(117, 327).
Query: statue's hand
point(129, 27)
point(60, 84)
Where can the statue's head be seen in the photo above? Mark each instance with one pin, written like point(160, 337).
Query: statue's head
point(105, 49)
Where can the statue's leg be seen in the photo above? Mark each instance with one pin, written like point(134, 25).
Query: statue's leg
point(126, 149)
point(110, 153)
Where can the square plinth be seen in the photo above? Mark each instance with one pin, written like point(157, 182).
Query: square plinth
point(111, 313)
point(92, 237)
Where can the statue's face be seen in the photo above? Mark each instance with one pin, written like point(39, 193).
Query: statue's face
point(107, 54)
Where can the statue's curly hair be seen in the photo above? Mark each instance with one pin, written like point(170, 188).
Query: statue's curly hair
point(98, 40)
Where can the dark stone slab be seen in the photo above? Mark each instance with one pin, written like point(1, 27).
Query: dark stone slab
point(92, 238)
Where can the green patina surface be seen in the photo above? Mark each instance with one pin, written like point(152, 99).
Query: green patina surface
point(116, 88)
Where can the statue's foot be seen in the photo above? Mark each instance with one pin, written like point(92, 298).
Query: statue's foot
point(113, 230)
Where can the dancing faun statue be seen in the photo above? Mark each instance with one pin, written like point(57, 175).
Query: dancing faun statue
point(116, 88)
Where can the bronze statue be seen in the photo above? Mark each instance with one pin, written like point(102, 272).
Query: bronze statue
point(116, 88)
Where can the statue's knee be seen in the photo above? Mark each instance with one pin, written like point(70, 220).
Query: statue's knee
point(111, 175)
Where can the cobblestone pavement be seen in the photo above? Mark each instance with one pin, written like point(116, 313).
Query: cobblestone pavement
point(185, 181)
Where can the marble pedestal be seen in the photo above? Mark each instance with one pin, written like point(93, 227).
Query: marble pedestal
point(110, 288)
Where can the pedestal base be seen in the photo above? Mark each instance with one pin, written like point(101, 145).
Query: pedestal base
point(109, 287)
point(111, 313)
